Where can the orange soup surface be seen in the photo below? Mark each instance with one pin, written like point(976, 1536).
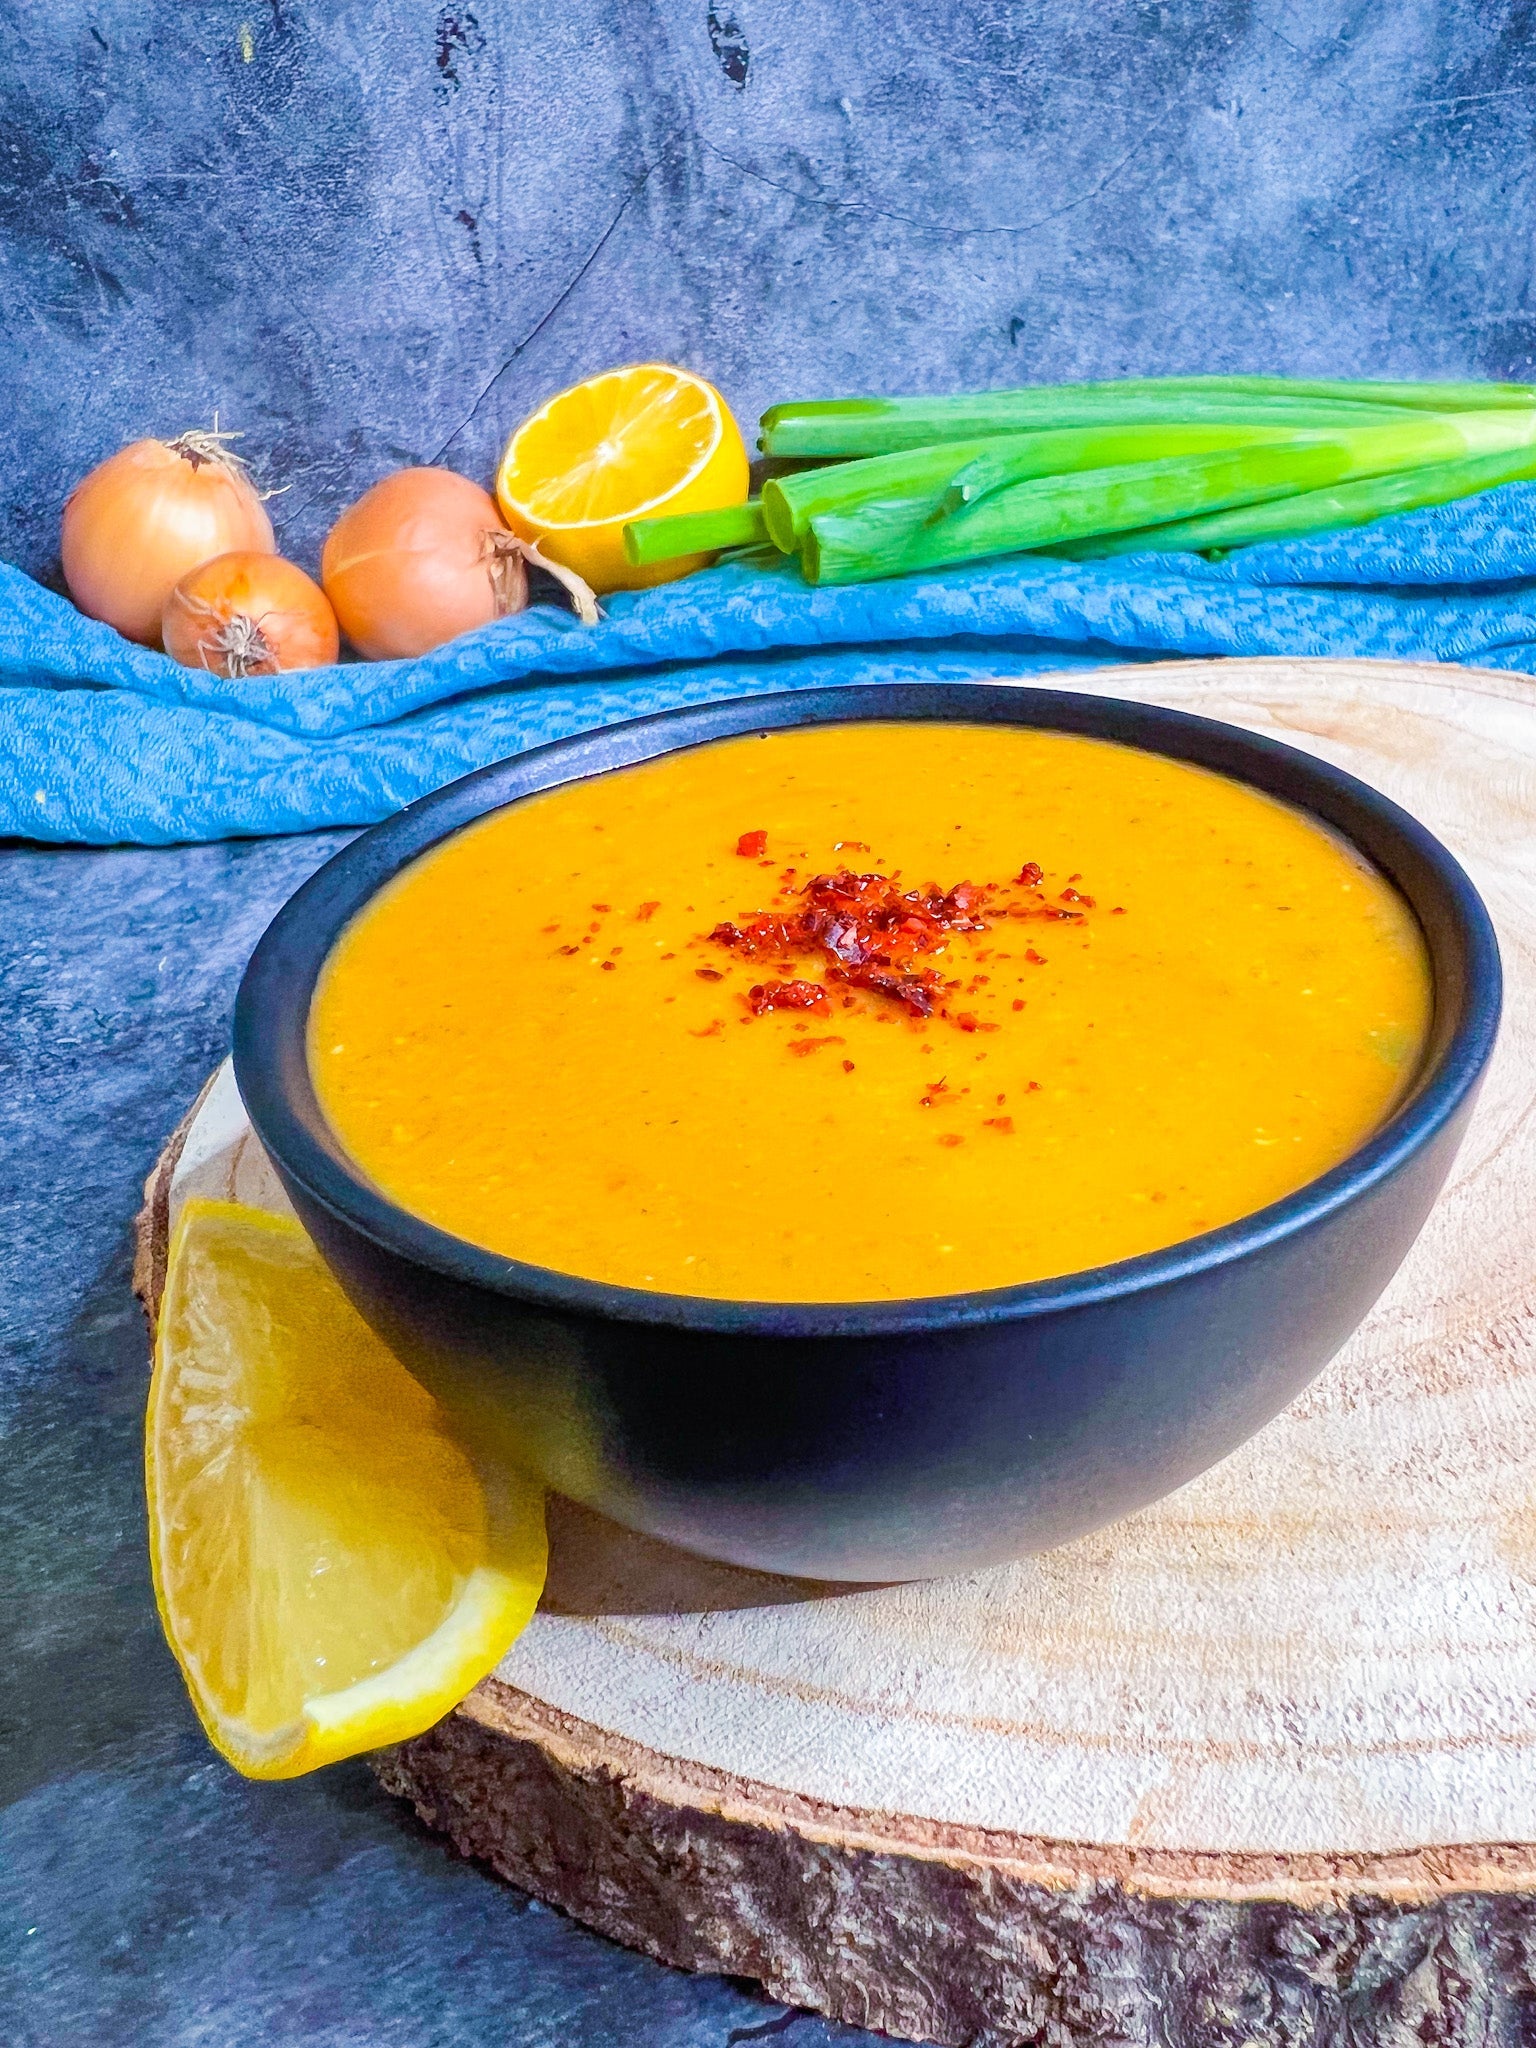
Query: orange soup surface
point(868, 1011)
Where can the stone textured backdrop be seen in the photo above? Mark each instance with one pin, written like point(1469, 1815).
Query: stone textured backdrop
point(381, 232)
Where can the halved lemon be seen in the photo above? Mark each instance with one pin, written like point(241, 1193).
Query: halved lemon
point(640, 443)
point(333, 1569)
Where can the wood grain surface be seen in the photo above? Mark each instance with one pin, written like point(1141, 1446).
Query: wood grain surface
point(1273, 1738)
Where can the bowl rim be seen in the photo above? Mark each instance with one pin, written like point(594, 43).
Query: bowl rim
point(272, 1006)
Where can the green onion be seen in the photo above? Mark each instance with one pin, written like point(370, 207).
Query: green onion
point(887, 538)
point(1337, 505)
point(887, 426)
point(951, 473)
point(693, 533)
point(790, 502)
point(888, 486)
point(1025, 456)
point(893, 537)
point(1416, 397)
point(883, 426)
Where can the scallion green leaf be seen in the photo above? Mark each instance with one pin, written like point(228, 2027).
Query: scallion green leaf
point(1417, 397)
point(896, 536)
point(950, 474)
point(889, 426)
point(882, 426)
point(1308, 512)
point(920, 474)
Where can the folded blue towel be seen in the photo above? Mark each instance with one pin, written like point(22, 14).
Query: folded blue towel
point(102, 741)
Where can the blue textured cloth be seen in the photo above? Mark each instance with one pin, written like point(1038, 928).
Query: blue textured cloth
point(101, 741)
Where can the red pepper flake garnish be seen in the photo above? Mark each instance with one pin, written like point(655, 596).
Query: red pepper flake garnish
point(609, 966)
point(751, 844)
point(567, 949)
point(867, 932)
point(1031, 1087)
point(951, 1138)
point(1018, 1002)
point(1003, 1125)
point(614, 952)
point(1119, 910)
point(1076, 896)
point(786, 995)
point(1035, 959)
point(917, 993)
point(547, 928)
point(709, 974)
point(710, 1030)
point(847, 1066)
point(647, 911)
point(602, 906)
point(802, 1046)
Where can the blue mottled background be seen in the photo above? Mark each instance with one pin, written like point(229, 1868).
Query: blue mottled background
point(379, 232)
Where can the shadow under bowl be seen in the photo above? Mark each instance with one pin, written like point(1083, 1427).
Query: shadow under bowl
point(873, 1441)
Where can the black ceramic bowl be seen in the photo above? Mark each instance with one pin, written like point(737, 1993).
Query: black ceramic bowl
point(894, 1439)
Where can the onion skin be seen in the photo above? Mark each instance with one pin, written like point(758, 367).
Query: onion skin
point(145, 517)
point(410, 565)
point(249, 614)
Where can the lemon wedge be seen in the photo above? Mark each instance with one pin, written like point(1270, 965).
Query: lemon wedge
point(333, 1569)
point(639, 443)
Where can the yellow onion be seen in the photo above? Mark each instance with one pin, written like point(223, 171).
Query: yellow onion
point(144, 517)
point(249, 614)
point(423, 556)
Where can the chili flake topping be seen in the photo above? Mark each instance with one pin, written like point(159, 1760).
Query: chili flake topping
point(786, 995)
point(866, 932)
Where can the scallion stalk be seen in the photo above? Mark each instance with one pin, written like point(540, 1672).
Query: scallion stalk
point(1416, 397)
point(919, 474)
point(882, 426)
point(866, 427)
point(1020, 458)
point(693, 533)
point(950, 473)
point(1309, 512)
point(895, 537)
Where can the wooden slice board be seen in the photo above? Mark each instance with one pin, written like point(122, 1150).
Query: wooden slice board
point(1256, 1765)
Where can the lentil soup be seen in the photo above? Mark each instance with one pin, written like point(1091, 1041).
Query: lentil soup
point(869, 1011)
